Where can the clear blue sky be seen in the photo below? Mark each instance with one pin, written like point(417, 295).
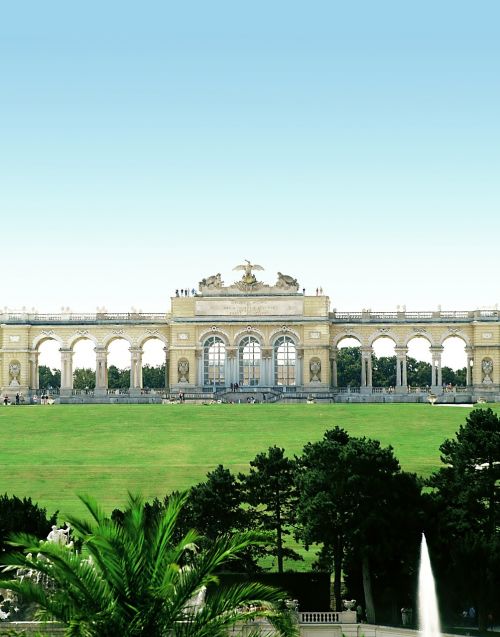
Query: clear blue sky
point(354, 145)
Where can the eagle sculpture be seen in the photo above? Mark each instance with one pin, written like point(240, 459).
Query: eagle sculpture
point(247, 267)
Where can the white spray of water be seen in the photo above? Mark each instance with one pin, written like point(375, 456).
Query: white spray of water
point(427, 601)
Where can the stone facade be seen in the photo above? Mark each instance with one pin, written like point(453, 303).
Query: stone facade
point(253, 334)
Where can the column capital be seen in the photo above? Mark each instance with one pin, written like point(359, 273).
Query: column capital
point(436, 349)
point(136, 350)
point(333, 353)
point(231, 352)
point(401, 351)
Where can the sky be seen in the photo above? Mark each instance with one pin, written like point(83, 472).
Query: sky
point(354, 146)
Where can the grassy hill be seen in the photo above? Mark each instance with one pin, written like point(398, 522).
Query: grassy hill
point(53, 452)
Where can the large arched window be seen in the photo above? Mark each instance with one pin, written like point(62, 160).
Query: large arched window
point(285, 359)
point(214, 358)
point(249, 358)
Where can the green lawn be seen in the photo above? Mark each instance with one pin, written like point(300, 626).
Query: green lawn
point(53, 452)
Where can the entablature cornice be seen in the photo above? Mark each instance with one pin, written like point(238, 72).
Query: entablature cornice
point(272, 320)
point(437, 317)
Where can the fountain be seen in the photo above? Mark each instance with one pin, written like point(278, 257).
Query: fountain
point(427, 601)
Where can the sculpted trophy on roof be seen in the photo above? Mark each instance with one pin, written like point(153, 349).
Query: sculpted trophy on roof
point(248, 278)
point(248, 284)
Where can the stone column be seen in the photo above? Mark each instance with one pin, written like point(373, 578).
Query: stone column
point(66, 371)
point(34, 373)
point(231, 365)
point(101, 371)
point(135, 370)
point(405, 369)
point(266, 366)
point(132, 370)
point(398, 371)
point(198, 354)
point(366, 368)
point(470, 362)
point(401, 369)
point(333, 359)
point(299, 371)
point(139, 368)
point(167, 361)
point(437, 378)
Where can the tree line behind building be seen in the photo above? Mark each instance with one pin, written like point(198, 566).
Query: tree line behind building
point(348, 373)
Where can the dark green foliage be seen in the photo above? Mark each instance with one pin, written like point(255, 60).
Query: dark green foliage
point(419, 372)
point(355, 501)
point(465, 506)
point(311, 590)
point(133, 579)
point(214, 509)
point(271, 492)
point(49, 378)
point(153, 377)
point(117, 378)
point(214, 506)
point(384, 371)
point(22, 516)
point(84, 378)
point(454, 377)
point(349, 367)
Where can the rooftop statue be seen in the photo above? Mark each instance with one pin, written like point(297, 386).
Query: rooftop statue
point(287, 282)
point(212, 282)
point(248, 278)
point(248, 284)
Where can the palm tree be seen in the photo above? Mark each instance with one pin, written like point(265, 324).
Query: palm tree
point(132, 579)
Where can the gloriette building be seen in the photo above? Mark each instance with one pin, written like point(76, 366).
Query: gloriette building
point(272, 340)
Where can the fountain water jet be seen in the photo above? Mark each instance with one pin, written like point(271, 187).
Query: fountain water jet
point(428, 612)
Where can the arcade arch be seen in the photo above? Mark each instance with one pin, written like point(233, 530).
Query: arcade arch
point(285, 361)
point(154, 363)
point(118, 364)
point(456, 362)
point(83, 365)
point(384, 361)
point(46, 355)
point(214, 361)
point(249, 358)
point(426, 371)
point(346, 365)
point(82, 359)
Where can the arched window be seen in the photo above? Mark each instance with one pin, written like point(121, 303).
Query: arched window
point(249, 358)
point(214, 358)
point(285, 359)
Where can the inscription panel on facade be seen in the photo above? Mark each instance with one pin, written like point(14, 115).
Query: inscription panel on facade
point(249, 307)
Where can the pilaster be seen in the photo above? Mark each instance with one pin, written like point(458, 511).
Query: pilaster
point(333, 362)
point(101, 371)
point(436, 377)
point(66, 371)
point(135, 370)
